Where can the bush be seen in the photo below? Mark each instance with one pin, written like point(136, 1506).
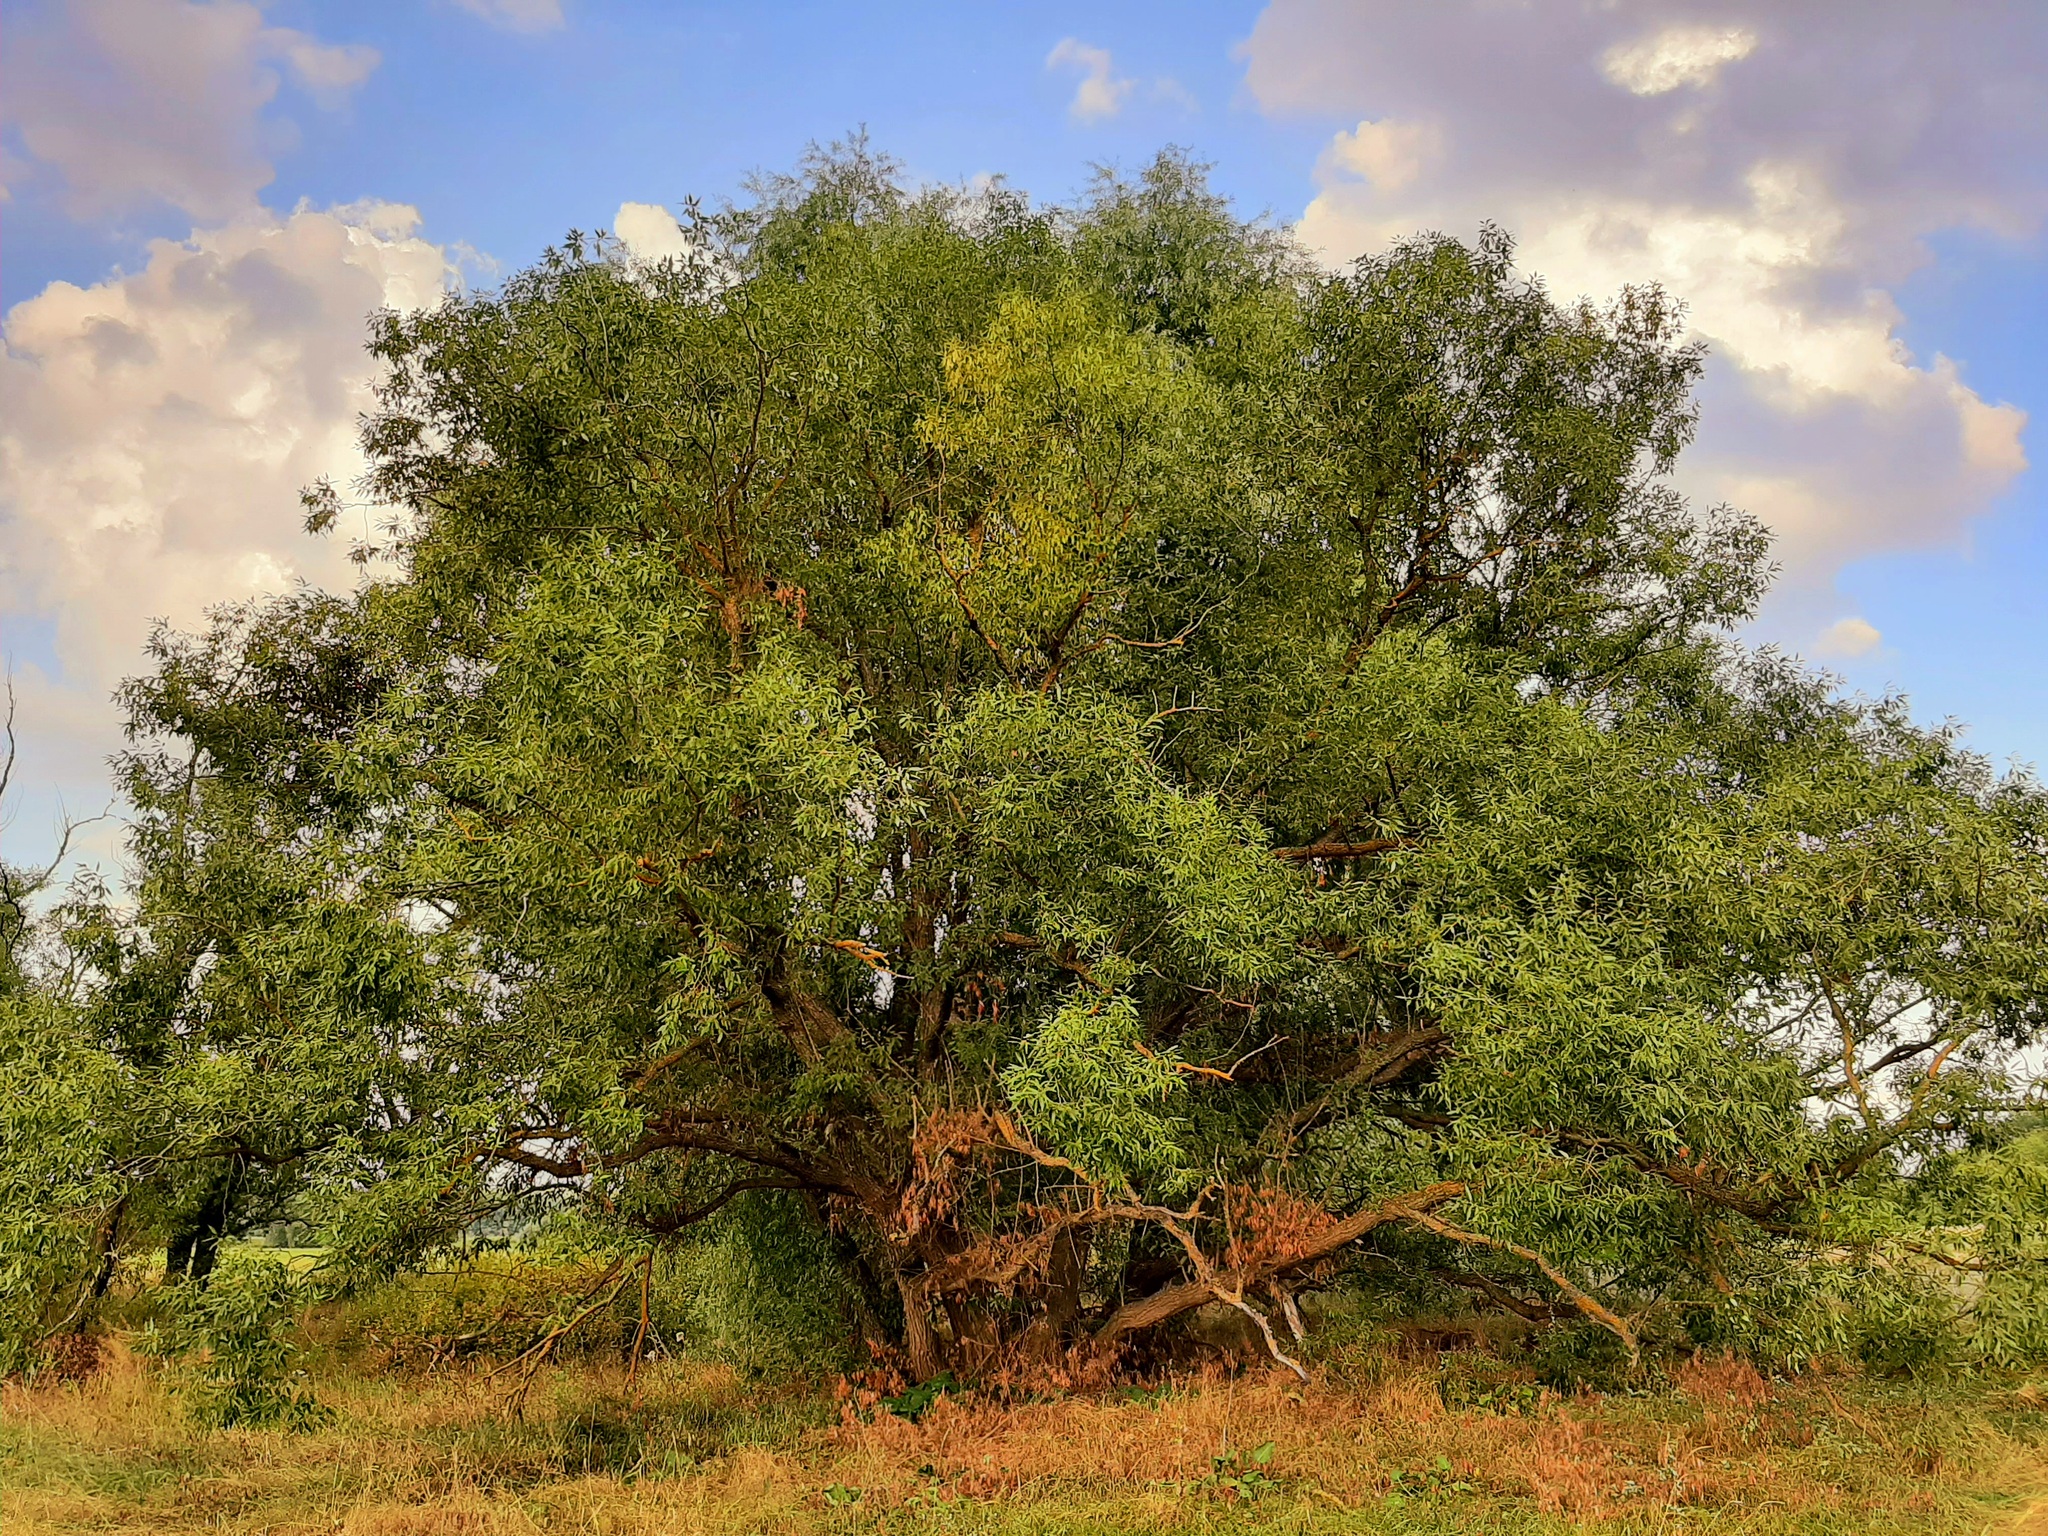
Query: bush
point(489, 1307)
point(234, 1336)
point(756, 1288)
point(762, 1293)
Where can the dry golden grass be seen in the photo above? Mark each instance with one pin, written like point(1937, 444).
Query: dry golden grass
point(1367, 1446)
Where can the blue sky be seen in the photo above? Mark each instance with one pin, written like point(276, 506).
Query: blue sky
point(1967, 627)
point(204, 196)
point(505, 139)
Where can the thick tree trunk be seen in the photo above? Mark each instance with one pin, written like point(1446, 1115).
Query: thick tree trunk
point(976, 1338)
point(1066, 1274)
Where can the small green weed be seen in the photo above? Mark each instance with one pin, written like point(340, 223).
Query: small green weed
point(1151, 1397)
point(1468, 1381)
point(914, 1402)
point(1242, 1473)
point(1439, 1477)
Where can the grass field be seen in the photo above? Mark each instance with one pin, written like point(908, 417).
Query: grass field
point(1369, 1446)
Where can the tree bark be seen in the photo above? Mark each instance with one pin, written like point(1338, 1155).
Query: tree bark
point(178, 1256)
point(920, 1339)
point(201, 1245)
point(976, 1339)
point(1066, 1274)
point(110, 1252)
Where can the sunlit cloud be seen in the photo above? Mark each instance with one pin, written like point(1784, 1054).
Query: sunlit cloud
point(1101, 93)
point(1848, 638)
point(129, 102)
point(1778, 168)
point(155, 431)
point(650, 232)
point(1675, 56)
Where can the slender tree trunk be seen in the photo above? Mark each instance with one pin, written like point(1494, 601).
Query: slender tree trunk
point(178, 1256)
point(206, 1250)
point(212, 1225)
point(110, 1254)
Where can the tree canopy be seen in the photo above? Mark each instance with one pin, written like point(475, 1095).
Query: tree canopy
point(1104, 766)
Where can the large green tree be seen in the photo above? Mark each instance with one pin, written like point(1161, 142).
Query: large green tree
point(1115, 768)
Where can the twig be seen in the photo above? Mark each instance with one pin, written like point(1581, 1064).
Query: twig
point(529, 1361)
point(1224, 1074)
point(640, 1337)
point(866, 954)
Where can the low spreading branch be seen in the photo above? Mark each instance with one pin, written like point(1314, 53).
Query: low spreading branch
point(1172, 1300)
point(1590, 1305)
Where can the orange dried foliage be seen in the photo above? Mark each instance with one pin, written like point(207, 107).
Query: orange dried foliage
point(941, 1153)
point(74, 1357)
point(1583, 1458)
point(1270, 1227)
point(1719, 1379)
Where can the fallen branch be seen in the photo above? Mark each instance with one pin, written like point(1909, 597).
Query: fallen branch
point(529, 1361)
point(1500, 1295)
point(1265, 1330)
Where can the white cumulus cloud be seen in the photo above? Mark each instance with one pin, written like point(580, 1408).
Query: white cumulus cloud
point(1102, 92)
point(155, 430)
point(1389, 155)
point(1848, 637)
point(1780, 168)
point(130, 101)
point(650, 232)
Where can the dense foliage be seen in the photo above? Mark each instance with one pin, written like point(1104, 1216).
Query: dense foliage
point(1078, 766)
